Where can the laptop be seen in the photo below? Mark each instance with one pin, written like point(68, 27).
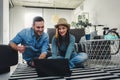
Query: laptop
point(52, 67)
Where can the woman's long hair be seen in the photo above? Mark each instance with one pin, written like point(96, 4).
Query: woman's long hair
point(59, 38)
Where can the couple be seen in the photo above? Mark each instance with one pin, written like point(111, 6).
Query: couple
point(35, 42)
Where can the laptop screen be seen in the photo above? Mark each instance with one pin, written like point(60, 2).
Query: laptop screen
point(52, 67)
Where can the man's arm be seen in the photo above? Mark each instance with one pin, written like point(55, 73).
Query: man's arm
point(42, 56)
point(17, 40)
point(21, 48)
point(44, 48)
point(13, 45)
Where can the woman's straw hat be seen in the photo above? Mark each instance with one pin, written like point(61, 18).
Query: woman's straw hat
point(62, 21)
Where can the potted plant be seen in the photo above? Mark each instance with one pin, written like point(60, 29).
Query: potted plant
point(82, 22)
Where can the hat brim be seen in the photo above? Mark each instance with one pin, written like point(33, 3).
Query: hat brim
point(67, 25)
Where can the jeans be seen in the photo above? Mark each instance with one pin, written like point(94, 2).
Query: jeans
point(76, 58)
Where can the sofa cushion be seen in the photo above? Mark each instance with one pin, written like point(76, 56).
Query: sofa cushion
point(78, 33)
point(51, 33)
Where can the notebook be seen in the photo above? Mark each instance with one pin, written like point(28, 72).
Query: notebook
point(52, 67)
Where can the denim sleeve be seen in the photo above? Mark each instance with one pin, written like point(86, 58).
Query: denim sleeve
point(19, 37)
point(70, 48)
point(45, 45)
point(54, 48)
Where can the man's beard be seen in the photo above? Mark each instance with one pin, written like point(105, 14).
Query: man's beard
point(38, 33)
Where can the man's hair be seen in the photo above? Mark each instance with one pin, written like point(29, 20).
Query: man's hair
point(36, 19)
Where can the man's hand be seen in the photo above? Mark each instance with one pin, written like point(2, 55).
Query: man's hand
point(42, 56)
point(21, 48)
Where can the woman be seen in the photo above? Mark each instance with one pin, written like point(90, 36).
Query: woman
point(63, 44)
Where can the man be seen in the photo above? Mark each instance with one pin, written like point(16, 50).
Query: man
point(34, 41)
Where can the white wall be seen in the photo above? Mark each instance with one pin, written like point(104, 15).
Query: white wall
point(17, 17)
point(49, 13)
point(106, 12)
point(5, 21)
point(16, 20)
point(29, 14)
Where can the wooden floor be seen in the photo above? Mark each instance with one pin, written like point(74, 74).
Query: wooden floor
point(27, 73)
